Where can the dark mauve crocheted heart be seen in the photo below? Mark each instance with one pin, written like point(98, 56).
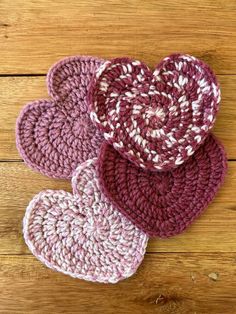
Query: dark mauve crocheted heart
point(156, 120)
point(54, 136)
point(163, 203)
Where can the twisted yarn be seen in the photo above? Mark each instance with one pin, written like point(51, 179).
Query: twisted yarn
point(157, 171)
point(53, 136)
point(163, 203)
point(156, 120)
point(83, 235)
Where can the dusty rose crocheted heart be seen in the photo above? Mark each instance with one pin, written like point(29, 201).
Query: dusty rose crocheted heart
point(156, 120)
point(53, 136)
point(163, 203)
point(83, 235)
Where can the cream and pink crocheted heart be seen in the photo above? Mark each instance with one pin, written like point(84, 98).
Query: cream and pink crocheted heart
point(155, 119)
point(83, 235)
point(54, 136)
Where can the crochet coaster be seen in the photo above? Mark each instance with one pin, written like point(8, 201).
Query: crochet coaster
point(156, 120)
point(83, 235)
point(163, 203)
point(53, 136)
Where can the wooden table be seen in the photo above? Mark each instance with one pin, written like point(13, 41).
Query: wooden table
point(190, 273)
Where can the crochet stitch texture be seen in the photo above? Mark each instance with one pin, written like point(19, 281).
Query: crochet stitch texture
point(137, 147)
point(156, 120)
point(83, 235)
point(163, 203)
point(54, 136)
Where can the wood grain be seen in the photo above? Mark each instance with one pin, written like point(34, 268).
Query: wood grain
point(33, 34)
point(16, 91)
point(166, 283)
point(193, 273)
point(214, 231)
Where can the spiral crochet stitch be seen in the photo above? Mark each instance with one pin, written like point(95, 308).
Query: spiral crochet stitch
point(53, 136)
point(156, 120)
point(83, 236)
point(163, 203)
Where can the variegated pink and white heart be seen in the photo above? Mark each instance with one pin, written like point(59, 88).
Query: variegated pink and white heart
point(83, 235)
point(157, 119)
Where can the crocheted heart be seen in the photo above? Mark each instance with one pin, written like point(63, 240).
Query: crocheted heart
point(83, 236)
point(163, 203)
point(53, 136)
point(156, 120)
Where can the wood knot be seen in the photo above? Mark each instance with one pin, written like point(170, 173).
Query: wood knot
point(160, 299)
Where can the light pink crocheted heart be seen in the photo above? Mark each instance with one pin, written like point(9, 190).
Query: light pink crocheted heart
point(54, 136)
point(83, 235)
point(156, 120)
